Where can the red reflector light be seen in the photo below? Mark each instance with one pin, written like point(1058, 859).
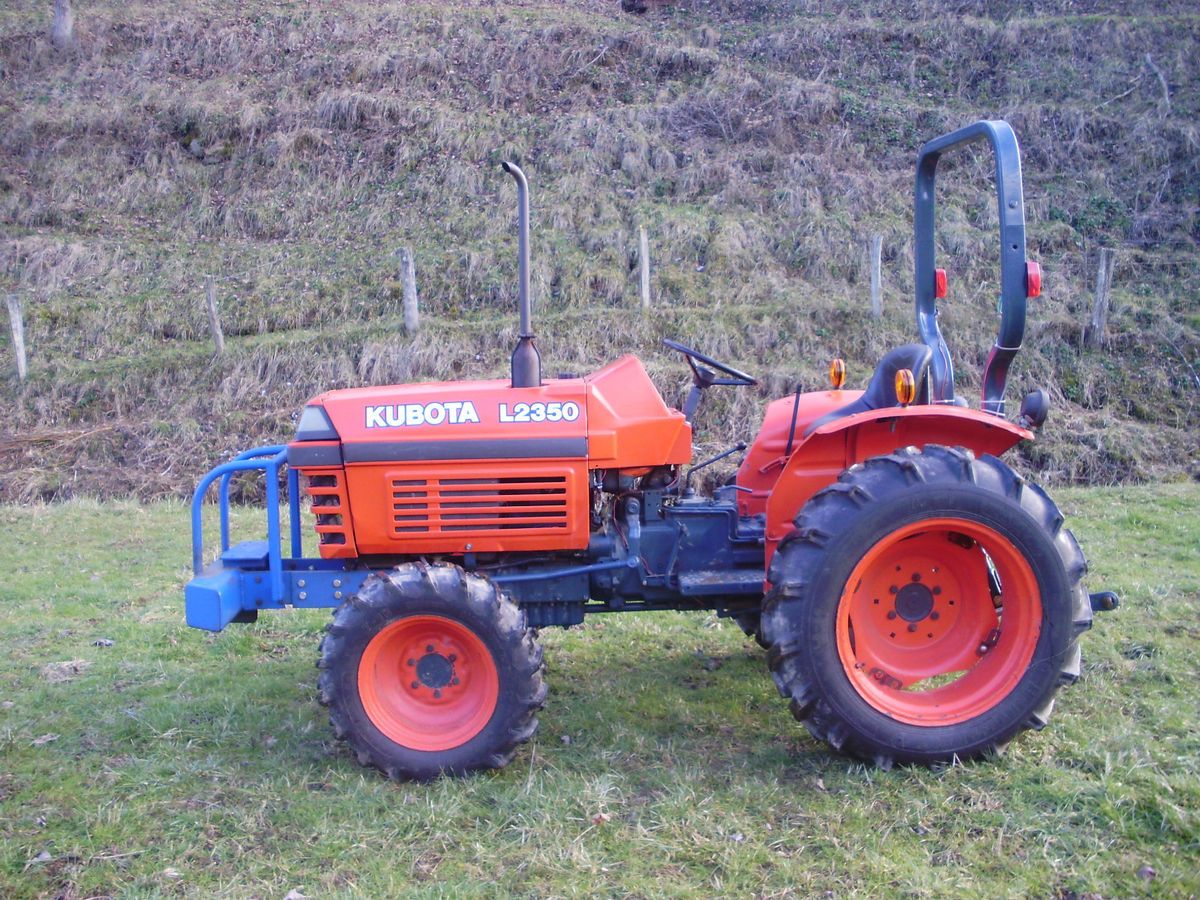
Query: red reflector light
point(939, 283)
point(1033, 279)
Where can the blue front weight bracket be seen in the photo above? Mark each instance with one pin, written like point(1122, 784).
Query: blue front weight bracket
point(254, 575)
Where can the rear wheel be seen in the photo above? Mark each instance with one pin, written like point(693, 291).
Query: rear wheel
point(431, 670)
point(926, 608)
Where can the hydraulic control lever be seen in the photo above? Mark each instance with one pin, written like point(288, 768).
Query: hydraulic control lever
point(688, 490)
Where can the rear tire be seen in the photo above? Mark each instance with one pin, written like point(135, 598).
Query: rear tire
point(430, 670)
point(926, 608)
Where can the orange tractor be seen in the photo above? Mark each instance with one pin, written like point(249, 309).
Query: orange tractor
point(919, 601)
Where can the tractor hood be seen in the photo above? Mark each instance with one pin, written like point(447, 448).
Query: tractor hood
point(613, 418)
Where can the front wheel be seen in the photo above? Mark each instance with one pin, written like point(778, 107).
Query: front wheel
point(926, 608)
point(431, 670)
point(751, 624)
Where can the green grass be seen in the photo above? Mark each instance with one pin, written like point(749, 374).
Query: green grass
point(189, 763)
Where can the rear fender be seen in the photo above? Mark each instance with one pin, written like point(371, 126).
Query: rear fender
point(834, 447)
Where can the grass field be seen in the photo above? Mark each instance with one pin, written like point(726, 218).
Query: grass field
point(175, 762)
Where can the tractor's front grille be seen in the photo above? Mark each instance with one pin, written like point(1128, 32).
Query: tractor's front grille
point(479, 505)
point(329, 508)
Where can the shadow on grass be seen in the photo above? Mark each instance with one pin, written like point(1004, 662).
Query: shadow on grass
point(618, 697)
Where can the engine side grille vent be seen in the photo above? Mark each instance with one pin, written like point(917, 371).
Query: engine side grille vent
point(329, 508)
point(479, 505)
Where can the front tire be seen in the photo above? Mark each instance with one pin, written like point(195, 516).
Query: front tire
point(926, 608)
point(430, 670)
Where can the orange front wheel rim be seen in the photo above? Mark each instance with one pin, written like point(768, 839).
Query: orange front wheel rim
point(428, 683)
point(939, 621)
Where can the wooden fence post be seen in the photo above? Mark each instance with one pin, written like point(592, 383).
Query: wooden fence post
point(214, 318)
point(1165, 106)
point(62, 28)
point(408, 276)
point(1104, 274)
point(18, 335)
point(644, 265)
point(876, 276)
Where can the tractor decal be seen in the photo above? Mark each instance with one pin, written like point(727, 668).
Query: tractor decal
point(539, 412)
point(399, 415)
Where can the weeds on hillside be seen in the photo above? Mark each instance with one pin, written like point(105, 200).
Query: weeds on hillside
point(289, 152)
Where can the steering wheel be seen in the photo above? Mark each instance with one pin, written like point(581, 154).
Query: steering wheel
point(702, 377)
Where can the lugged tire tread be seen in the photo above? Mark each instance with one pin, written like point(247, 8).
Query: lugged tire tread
point(877, 477)
point(362, 610)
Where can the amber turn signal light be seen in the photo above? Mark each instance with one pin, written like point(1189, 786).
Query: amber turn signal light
point(906, 387)
point(837, 373)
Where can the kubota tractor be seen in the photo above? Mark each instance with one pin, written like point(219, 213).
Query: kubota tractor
point(918, 600)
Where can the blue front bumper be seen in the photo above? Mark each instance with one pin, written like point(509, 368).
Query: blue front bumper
point(216, 596)
point(213, 599)
point(241, 581)
point(254, 575)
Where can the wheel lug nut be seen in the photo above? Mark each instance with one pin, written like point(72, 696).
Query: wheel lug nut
point(935, 616)
point(437, 694)
point(452, 657)
point(412, 662)
point(415, 685)
point(912, 626)
point(936, 591)
point(429, 648)
point(893, 590)
point(891, 614)
point(916, 576)
point(454, 681)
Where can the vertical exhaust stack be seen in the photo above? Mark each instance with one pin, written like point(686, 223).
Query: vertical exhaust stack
point(526, 361)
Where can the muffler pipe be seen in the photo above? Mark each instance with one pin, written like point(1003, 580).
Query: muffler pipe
point(526, 361)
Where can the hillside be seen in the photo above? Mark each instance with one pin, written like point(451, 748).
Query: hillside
point(288, 149)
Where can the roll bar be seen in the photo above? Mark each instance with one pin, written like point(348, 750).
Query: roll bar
point(1015, 283)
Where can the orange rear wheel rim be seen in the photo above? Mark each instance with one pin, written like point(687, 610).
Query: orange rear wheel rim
point(919, 633)
point(428, 683)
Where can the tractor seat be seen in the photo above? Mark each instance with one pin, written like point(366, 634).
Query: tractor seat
point(881, 392)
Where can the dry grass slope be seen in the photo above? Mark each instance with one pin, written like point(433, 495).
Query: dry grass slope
point(289, 149)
